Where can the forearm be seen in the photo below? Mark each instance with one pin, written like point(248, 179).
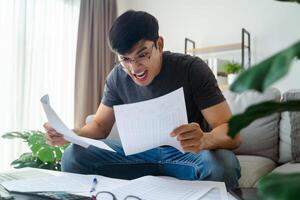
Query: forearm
point(218, 139)
point(92, 130)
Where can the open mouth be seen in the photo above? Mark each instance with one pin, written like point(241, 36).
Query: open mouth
point(141, 76)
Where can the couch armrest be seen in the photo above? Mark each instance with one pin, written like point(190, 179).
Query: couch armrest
point(114, 134)
point(89, 119)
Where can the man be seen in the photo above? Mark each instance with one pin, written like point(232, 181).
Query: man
point(144, 72)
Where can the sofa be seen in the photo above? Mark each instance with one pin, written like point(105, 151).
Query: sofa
point(269, 144)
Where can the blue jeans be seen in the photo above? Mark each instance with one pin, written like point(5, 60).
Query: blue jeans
point(215, 165)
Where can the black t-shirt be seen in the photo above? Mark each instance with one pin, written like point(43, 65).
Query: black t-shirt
point(178, 70)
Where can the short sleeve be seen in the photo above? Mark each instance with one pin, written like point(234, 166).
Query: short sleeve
point(204, 86)
point(110, 92)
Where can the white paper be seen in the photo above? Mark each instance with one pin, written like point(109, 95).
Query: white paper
point(67, 182)
point(148, 124)
point(147, 187)
point(217, 192)
point(217, 189)
point(153, 188)
point(69, 135)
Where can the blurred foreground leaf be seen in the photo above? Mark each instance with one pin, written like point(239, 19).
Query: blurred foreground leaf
point(264, 74)
point(280, 186)
point(298, 1)
point(239, 121)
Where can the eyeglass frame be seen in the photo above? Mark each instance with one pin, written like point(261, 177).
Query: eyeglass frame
point(94, 197)
point(137, 59)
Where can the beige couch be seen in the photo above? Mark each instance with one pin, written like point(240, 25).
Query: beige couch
point(270, 144)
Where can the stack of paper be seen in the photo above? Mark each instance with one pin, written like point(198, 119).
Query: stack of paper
point(147, 187)
point(154, 188)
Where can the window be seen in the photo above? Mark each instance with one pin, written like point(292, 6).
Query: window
point(37, 57)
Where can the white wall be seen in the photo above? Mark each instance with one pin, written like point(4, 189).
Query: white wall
point(273, 25)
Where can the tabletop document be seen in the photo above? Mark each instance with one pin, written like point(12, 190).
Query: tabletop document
point(147, 187)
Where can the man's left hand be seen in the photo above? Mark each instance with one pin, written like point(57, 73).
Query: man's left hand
point(190, 137)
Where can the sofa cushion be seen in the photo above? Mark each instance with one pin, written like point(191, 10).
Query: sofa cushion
point(253, 168)
point(288, 168)
point(261, 136)
point(289, 148)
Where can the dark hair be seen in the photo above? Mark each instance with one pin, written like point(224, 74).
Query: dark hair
point(131, 27)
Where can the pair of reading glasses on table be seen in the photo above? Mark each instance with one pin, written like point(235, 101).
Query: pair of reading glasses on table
point(106, 195)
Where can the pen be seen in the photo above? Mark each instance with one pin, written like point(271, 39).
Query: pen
point(94, 184)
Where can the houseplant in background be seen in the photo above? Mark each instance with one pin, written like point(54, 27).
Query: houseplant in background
point(232, 70)
point(259, 77)
point(41, 156)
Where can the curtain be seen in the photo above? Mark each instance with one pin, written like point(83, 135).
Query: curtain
point(94, 59)
point(37, 57)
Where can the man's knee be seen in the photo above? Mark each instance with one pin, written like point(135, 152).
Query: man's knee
point(69, 159)
point(224, 166)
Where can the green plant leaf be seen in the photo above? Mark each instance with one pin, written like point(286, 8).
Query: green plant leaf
point(42, 150)
point(36, 138)
point(46, 154)
point(35, 148)
point(25, 160)
point(280, 186)
point(15, 134)
point(39, 150)
point(264, 74)
point(298, 1)
point(232, 67)
point(239, 121)
point(58, 152)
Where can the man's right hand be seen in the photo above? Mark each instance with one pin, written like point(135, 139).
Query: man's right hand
point(52, 137)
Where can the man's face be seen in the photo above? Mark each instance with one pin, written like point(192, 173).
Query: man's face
point(143, 62)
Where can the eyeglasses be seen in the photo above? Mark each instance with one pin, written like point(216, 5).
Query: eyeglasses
point(142, 58)
point(106, 195)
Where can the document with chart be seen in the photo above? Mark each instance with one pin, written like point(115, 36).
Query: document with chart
point(68, 134)
point(148, 124)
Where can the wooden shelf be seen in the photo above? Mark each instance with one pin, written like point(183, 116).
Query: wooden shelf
point(222, 48)
point(219, 48)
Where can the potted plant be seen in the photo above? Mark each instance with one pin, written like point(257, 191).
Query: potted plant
point(41, 156)
point(232, 70)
